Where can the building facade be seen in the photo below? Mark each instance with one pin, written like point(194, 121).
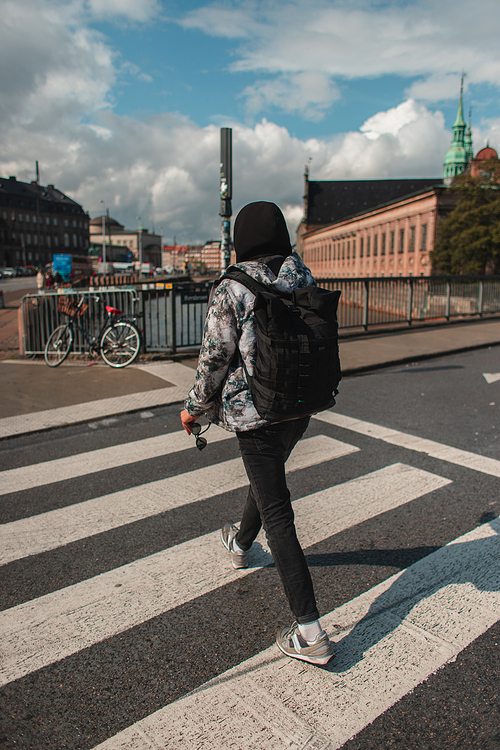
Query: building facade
point(390, 240)
point(138, 244)
point(372, 228)
point(37, 221)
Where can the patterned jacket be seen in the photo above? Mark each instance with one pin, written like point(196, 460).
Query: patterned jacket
point(221, 392)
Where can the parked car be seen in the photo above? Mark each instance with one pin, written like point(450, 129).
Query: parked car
point(9, 272)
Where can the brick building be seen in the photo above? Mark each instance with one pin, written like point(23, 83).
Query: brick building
point(366, 228)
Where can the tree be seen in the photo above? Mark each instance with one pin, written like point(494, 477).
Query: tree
point(468, 239)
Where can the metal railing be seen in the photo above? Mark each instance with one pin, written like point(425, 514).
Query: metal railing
point(374, 302)
point(41, 314)
point(173, 314)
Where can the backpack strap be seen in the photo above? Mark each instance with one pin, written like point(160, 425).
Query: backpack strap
point(236, 274)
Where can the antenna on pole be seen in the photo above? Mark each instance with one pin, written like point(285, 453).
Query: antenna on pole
point(226, 193)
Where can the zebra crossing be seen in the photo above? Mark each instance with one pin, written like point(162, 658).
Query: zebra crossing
point(390, 636)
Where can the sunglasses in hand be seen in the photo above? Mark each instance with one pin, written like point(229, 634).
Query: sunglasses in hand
point(196, 430)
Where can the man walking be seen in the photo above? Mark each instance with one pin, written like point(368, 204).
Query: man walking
point(221, 393)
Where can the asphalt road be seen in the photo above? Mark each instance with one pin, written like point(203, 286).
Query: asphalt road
point(90, 653)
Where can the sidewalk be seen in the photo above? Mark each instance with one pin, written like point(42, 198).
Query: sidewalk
point(36, 397)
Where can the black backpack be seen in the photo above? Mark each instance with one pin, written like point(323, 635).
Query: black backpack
point(297, 365)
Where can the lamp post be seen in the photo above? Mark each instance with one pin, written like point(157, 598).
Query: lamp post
point(103, 232)
point(139, 228)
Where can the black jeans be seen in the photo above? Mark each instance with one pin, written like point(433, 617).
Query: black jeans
point(264, 452)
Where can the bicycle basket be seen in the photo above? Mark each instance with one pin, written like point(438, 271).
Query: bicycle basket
point(68, 306)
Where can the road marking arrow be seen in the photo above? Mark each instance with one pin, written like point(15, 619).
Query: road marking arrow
point(491, 377)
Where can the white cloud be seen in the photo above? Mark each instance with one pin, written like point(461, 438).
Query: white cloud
point(362, 38)
point(165, 169)
point(132, 10)
point(56, 107)
point(393, 120)
point(436, 88)
point(56, 68)
point(309, 94)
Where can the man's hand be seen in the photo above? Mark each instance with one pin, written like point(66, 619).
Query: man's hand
point(187, 420)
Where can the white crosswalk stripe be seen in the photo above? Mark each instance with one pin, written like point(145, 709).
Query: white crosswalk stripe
point(30, 536)
point(401, 631)
point(90, 462)
point(56, 625)
point(389, 639)
point(469, 460)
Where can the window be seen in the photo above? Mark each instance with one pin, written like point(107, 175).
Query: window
point(375, 245)
point(348, 249)
point(47, 221)
point(49, 243)
point(28, 239)
point(362, 247)
point(34, 219)
point(401, 240)
point(423, 246)
point(28, 218)
point(56, 241)
point(66, 223)
point(392, 243)
point(35, 239)
point(354, 248)
point(368, 242)
point(54, 221)
point(411, 248)
point(74, 223)
point(75, 241)
point(20, 217)
point(382, 249)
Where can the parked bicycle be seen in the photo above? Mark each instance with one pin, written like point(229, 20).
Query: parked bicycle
point(118, 341)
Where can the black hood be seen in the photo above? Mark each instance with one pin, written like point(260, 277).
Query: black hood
point(260, 229)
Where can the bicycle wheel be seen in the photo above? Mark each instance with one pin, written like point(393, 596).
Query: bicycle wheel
point(120, 344)
point(58, 346)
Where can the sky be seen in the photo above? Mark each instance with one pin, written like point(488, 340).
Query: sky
point(121, 101)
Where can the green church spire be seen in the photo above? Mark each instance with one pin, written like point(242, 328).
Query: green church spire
point(457, 156)
point(468, 139)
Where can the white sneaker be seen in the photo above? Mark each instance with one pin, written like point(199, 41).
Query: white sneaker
point(238, 559)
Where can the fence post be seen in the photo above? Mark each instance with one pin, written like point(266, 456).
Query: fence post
point(142, 311)
point(448, 300)
point(365, 304)
point(410, 301)
point(481, 298)
point(173, 323)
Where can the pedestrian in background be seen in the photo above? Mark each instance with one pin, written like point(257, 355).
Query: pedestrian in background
point(40, 281)
point(222, 394)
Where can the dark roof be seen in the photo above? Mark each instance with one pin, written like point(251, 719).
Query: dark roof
point(110, 222)
point(24, 194)
point(331, 201)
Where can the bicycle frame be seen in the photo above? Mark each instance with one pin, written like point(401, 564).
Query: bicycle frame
point(92, 342)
